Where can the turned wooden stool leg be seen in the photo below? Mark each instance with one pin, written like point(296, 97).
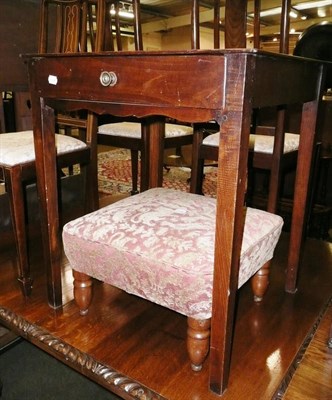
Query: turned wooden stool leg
point(260, 282)
point(82, 291)
point(198, 340)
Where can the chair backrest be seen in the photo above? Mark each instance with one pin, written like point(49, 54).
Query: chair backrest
point(195, 36)
point(115, 21)
point(235, 24)
point(316, 42)
point(63, 26)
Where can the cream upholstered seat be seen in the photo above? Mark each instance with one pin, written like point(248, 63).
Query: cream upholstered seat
point(68, 22)
point(18, 147)
point(17, 168)
point(133, 129)
point(261, 147)
point(159, 245)
point(260, 143)
point(129, 135)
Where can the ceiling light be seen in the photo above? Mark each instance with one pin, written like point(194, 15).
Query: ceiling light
point(321, 13)
point(125, 11)
point(276, 11)
point(312, 4)
point(126, 14)
point(271, 11)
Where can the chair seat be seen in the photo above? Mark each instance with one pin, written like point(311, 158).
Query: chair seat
point(18, 147)
point(159, 245)
point(261, 143)
point(133, 129)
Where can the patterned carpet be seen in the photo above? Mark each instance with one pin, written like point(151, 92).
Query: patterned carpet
point(114, 175)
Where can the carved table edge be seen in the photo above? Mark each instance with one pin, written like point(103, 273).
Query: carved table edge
point(100, 373)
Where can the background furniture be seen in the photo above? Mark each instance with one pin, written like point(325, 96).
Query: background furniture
point(315, 42)
point(18, 35)
point(17, 158)
point(280, 155)
point(17, 170)
point(132, 134)
point(206, 147)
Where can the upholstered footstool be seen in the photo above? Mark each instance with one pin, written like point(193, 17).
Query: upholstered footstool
point(159, 245)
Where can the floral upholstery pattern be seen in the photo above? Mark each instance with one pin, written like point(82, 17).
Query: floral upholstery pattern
point(18, 147)
point(133, 129)
point(159, 245)
point(261, 143)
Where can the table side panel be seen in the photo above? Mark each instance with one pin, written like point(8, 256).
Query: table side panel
point(295, 80)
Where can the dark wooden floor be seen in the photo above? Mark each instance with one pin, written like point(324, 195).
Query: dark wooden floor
point(313, 377)
point(137, 349)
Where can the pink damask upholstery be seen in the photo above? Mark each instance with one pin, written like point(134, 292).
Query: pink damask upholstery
point(159, 245)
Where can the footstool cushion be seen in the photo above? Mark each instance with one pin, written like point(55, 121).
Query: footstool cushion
point(159, 245)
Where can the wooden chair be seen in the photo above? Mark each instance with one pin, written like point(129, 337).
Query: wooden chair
point(315, 42)
point(131, 134)
point(62, 29)
point(206, 147)
point(159, 245)
point(276, 157)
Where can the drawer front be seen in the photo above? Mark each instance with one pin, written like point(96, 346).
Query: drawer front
point(165, 81)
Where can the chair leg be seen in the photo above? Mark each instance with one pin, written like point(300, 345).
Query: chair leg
point(91, 170)
point(197, 164)
point(82, 291)
point(15, 190)
point(198, 341)
point(260, 282)
point(134, 171)
point(144, 184)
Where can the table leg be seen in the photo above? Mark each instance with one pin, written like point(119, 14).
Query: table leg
point(305, 155)
point(44, 136)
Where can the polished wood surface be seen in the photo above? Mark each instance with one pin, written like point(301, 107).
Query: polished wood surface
point(192, 86)
point(145, 344)
point(313, 377)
